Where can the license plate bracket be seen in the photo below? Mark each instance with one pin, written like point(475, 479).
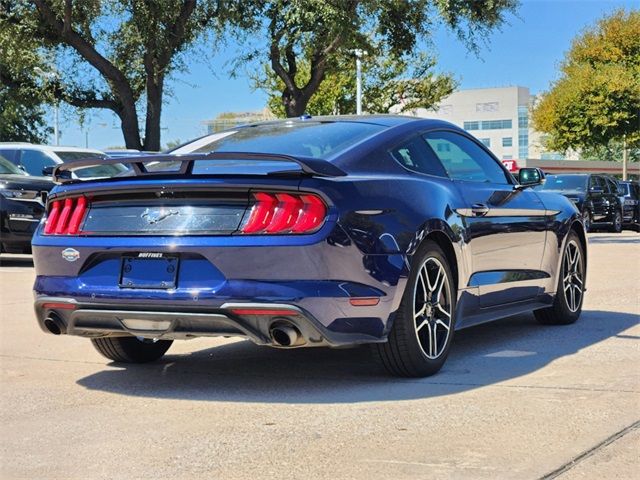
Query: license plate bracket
point(149, 273)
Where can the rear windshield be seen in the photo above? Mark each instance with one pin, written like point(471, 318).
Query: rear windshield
point(308, 139)
point(564, 182)
point(90, 172)
point(70, 156)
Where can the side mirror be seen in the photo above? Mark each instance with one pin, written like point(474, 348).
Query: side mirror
point(531, 176)
point(48, 171)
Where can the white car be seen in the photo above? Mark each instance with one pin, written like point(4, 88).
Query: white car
point(38, 160)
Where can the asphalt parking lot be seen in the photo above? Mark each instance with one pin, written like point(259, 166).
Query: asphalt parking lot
point(515, 400)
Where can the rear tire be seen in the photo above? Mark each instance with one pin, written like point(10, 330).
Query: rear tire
point(131, 349)
point(422, 331)
point(567, 305)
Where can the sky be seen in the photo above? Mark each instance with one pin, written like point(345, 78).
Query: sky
point(525, 52)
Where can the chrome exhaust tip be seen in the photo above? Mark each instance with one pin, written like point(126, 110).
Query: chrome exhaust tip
point(285, 335)
point(54, 324)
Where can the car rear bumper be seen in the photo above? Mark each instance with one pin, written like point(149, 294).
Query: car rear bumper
point(324, 281)
point(255, 321)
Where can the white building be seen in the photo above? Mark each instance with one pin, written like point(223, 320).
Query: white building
point(498, 117)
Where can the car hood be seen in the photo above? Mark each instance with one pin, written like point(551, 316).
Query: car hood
point(26, 182)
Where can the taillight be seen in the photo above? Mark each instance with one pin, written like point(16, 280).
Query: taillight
point(285, 213)
point(65, 216)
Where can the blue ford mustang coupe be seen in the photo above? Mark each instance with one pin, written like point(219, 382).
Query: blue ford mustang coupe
point(330, 231)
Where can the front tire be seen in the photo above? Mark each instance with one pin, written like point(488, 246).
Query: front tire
point(586, 220)
point(567, 305)
point(131, 349)
point(422, 331)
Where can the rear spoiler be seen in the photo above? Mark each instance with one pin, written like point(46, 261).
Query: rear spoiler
point(310, 166)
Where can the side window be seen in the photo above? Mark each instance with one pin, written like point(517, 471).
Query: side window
point(465, 160)
point(415, 155)
point(595, 182)
point(10, 154)
point(613, 186)
point(33, 161)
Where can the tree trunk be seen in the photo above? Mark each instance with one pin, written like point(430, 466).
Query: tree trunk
point(130, 128)
point(295, 104)
point(154, 112)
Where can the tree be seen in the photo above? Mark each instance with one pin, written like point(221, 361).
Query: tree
point(400, 84)
point(594, 106)
point(307, 39)
point(22, 101)
point(117, 55)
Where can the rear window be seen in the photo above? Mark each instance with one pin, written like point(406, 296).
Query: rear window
point(564, 182)
point(70, 156)
point(90, 172)
point(308, 139)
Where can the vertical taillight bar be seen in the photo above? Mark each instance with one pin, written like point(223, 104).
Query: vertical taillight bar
point(78, 216)
point(52, 218)
point(65, 216)
point(285, 213)
point(61, 227)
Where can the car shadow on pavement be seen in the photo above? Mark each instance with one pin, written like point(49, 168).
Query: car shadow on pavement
point(16, 260)
point(242, 372)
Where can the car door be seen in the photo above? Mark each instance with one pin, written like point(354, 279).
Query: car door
point(597, 199)
point(505, 227)
point(612, 195)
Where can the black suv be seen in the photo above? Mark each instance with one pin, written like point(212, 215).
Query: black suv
point(629, 193)
point(596, 197)
point(22, 200)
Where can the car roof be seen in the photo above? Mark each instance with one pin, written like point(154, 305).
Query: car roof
point(46, 148)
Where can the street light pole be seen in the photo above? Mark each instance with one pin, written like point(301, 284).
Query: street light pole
point(56, 125)
point(358, 83)
point(624, 157)
point(359, 54)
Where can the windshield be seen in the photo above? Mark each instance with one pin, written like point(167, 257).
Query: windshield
point(307, 139)
point(8, 168)
point(89, 172)
point(565, 182)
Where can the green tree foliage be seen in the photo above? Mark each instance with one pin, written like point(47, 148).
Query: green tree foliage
point(309, 39)
point(595, 103)
point(22, 117)
point(22, 101)
point(117, 54)
point(401, 84)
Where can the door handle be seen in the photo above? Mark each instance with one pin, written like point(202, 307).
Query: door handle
point(479, 209)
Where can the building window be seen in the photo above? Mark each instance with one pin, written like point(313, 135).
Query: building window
point(487, 107)
point(507, 157)
point(523, 139)
point(486, 142)
point(523, 131)
point(445, 109)
point(523, 116)
point(488, 125)
point(507, 141)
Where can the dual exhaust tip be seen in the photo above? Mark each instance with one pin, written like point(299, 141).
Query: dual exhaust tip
point(286, 335)
point(283, 334)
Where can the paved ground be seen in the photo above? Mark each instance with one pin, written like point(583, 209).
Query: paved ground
point(515, 400)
